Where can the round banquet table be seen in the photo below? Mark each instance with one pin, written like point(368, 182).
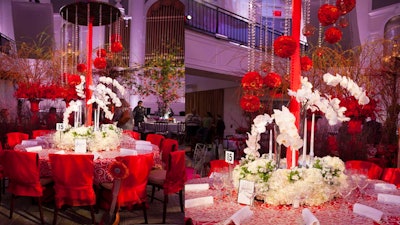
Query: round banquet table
point(335, 212)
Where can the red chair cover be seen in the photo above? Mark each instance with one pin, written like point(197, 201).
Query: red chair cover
point(73, 178)
point(133, 134)
point(176, 174)
point(155, 139)
point(168, 145)
point(373, 171)
point(133, 188)
point(22, 169)
point(14, 138)
point(391, 175)
point(218, 164)
point(38, 133)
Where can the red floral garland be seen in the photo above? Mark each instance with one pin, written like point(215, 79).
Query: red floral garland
point(306, 63)
point(345, 6)
point(285, 46)
point(333, 35)
point(118, 170)
point(252, 81)
point(328, 14)
point(250, 103)
point(272, 80)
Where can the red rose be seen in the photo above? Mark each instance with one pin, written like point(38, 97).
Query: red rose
point(100, 63)
point(118, 170)
point(116, 47)
point(252, 81)
point(101, 52)
point(306, 63)
point(273, 80)
point(328, 14)
point(285, 46)
point(333, 35)
point(345, 6)
point(250, 103)
point(81, 67)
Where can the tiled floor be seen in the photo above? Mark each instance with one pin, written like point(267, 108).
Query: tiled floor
point(26, 213)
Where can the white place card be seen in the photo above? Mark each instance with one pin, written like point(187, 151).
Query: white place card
point(246, 192)
point(34, 148)
point(29, 142)
point(229, 157)
point(80, 145)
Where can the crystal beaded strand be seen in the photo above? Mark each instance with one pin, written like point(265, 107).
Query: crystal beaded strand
point(251, 36)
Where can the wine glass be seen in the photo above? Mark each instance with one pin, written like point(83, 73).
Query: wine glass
point(362, 182)
point(345, 190)
point(218, 184)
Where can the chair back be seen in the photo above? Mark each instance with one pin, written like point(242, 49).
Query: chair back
point(133, 134)
point(155, 139)
point(161, 127)
point(168, 145)
point(199, 157)
point(391, 175)
point(219, 164)
point(373, 171)
point(73, 176)
point(15, 138)
point(181, 127)
point(38, 133)
point(22, 169)
point(133, 188)
point(176, 174)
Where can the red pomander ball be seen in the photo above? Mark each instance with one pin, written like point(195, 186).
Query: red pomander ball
point(116, 47)
point(73, 79)
point(345, 6)
point(328, 14)
point(285, 46)
point(81, 68)
point(100, 63)
point(250, 103)
point(101, 52)
point(333, 35)
point(116, 38)
point(273, 80)
point(252, 81)
point(306, 63)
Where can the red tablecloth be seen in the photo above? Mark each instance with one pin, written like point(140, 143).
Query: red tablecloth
point(335, 212)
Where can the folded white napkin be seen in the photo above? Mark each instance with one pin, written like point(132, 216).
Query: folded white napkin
point(34, 148)
point(194, 202)
point(96, 155)
point(141, 142)
point(240, 216)
point(367, 211)
point(127, 151)
point(389, 199)
point(29, 142)
point(197, 187)
point(309, 218)
point(60, 152)
point(144, 147)
point(384, 187)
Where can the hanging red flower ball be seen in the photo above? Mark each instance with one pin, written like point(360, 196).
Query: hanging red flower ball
point(250, 103)
point(328, 14)
point(118, 170)
point(306, 63)
point(115, 38)
point(273, 80)
point(73, 79)
point(345, 6)
point(333, 35)
point(81, 68)
point(116, 47)
point(252, 81)
point(101, 52)
point(100, 63)
point(285, 46)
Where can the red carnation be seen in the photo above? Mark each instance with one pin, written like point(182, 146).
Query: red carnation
point(273, 80)
point(285, 46)
point(81, 67)
point(100, 63)
point(328, 14)
point(250, 103)
point(118, 170)
point(252, 81)
point(116, 47)
point(101, 52)
point(306, 63)
point(345, 6)
point(333, 35)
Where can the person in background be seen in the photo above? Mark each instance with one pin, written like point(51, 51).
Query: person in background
point(52, 119)
point(139, 113)
point(5, 124)
point(123, 116)
point(193, 123)
point(220, 128)
point(206, 130)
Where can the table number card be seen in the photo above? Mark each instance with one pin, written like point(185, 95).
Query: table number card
point(80, 145)
point(246, 192)
point(229, 157)
point(59, 126)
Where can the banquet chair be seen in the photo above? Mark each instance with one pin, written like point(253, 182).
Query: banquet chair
point(167, 146)
point(219, 164)
point(199, 158)
point(155, 139)
point(15, 138)
point(134, 134)
point(161, 127)
point(391, 175)
point(181, 132)
point(132, 189)
point(24, 180)
point(171, 181)
point(373, 171)
point(73, 176)
point(38, 133)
